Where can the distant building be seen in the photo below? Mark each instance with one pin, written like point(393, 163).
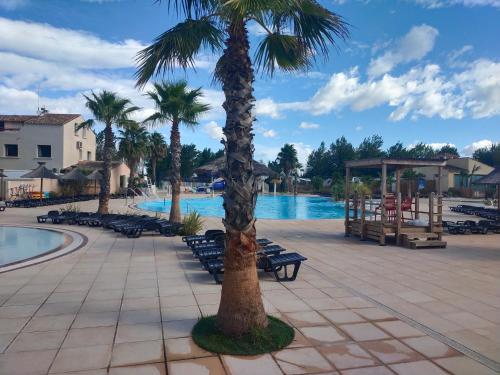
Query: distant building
point(459, 175)
point(119, 173)
point(50, 137)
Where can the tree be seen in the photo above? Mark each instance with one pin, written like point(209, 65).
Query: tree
point(296, 33)
point(318, 163)
point(157, 151)
point(371, 147)
point(340, 152)
point(422, 151)
point(207, 155)
point(177, 105)
point(134, 145)
point(448, 151)
point(288, 162)
point(189, 160)
point(489, 156)
point(107, 107)
point(397, 150)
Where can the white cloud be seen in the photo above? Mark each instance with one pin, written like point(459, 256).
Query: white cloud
point(214, 131)
point(270, 133)
point(303, 152)
point(358, 128)
point(453, 56)
point(308, 125)
point(267, 107)
point(484, 143)
point(413, 46)
point(439, 145)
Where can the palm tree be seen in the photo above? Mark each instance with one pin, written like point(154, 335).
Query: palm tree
point(176, 104)
point(157, 151)
point(288, 162)
point(297, 32)
point(108, 108)
point(134, 145)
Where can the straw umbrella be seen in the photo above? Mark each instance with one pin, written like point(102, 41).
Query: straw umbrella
point(75, 175)
point(2, 176)
point(492, 179)
point(95, 176)
point(41, 172)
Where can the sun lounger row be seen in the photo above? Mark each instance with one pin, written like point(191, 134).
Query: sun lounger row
point(132, 226)
point(471, 226)
point(27, 203)
point(486, 213)
point(209, 250)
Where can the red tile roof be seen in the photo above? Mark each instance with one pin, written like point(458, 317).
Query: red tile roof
point(45, 119)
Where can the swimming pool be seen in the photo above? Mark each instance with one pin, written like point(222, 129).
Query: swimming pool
point(18, 244)
point(282, 207)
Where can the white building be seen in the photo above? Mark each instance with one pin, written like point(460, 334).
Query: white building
point(52, 138)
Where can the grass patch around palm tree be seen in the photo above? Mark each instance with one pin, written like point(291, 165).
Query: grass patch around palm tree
point(276, 336)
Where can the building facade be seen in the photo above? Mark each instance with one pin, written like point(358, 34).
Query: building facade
point(49, 137)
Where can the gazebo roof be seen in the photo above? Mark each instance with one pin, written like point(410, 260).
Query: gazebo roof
point(217, 165)
point(491, 179)
point(74, 175)
point(41, 172)
point(395, 162)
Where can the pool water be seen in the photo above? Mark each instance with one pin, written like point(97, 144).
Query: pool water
point(20, 243)
point(268, 207)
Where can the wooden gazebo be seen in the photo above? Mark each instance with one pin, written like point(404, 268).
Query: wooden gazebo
point(386, 220)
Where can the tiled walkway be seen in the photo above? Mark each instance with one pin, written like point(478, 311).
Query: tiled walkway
point(124, 306)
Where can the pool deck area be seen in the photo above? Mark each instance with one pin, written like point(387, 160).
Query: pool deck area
point(126, 306)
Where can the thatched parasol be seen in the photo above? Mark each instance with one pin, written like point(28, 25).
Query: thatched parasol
point(74, 175)
point(41, 172)
point(216, 166)
point(492, 179)
point(95, 176)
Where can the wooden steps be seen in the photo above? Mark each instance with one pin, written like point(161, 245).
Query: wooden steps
point(417, 244)
point(421, 240)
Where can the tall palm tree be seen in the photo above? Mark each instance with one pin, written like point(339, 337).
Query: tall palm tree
point(176, 104)
point(288, 162)
point(134, 146)
point(157, 151)
point(296, 33)
point(108, 108)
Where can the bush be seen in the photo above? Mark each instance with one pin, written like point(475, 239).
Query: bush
point(191, 224)
point(317, 183)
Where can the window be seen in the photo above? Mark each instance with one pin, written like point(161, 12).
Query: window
point(80, 154)
point(2, 126)
point(11, 150)
point(89, 155)
point(84, 132)
point(76, 128)
point(44, 151)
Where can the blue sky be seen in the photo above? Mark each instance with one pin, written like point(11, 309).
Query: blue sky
point(413, 71)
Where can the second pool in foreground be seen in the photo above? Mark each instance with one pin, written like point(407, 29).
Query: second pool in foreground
point(282, 207)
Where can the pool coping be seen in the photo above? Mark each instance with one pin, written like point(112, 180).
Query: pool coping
point(73, 241)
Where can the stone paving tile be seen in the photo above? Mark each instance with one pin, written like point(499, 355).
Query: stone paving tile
point(373, 313)
point(262, 365)
point(399, 329)
point(342, 316)
point(364, 331)
point(30, 341)
point(136, 353)
point(417, 368)
point(180, 313)
point(430, 347)
point(140, 316)
point(348, 355)
point(49, 323)
point(138, 332)
point(150, 369)
point(85, 372)
point(27, 363)
point(22, 311)
point(78, 337)
point(184, 348)
point(301, 361)
point(464, 366)
point(391, 351)
point(198, 366)
point(81, 358)
point(322, 335)
point(377, 370)
point(12, 325)
point(305, 319)
point(5, 340)
point(97, 319)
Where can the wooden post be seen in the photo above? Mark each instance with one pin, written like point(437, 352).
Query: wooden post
point(363, 218)
point(383, 190)
point(346, 199)
point(438, 185)
point(431, 212)
point(398, 206)
point(355, 200)
point(417, 205)
point(440, 215)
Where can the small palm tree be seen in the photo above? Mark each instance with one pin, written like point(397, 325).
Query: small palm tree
point(157, 151)
point(108, 108)
point(296, 33)
point(288, 162)
point(134, 145)
point(176, 104)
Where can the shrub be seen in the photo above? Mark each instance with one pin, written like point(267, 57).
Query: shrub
point(191, 224)
point(317, 183)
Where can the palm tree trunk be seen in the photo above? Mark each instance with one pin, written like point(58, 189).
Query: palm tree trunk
point(175, 175)
point(131, 176)
point(153, 169)
point(241, 308)
point(106, 170)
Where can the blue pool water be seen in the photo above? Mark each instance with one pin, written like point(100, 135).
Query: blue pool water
point(268, 207)
point(19, 243)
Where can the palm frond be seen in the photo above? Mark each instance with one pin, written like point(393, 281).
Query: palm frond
point(178, 46)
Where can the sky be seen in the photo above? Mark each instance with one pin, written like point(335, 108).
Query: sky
point(412, 71)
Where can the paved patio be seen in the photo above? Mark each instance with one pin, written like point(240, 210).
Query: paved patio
point(125, 306)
